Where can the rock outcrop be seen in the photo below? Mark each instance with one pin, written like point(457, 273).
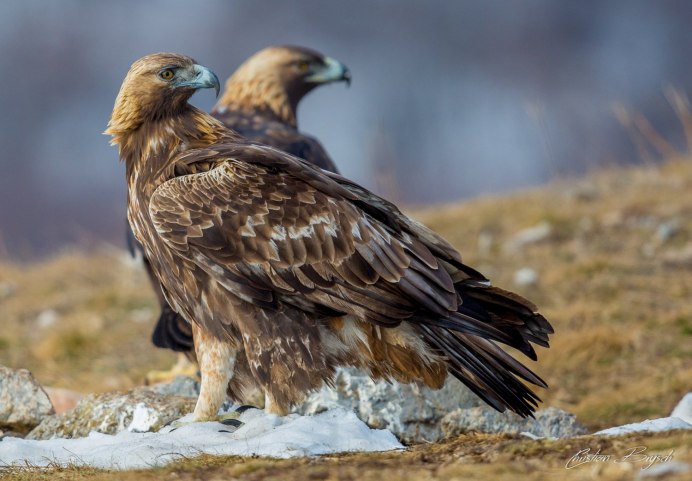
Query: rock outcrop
point(23, 402)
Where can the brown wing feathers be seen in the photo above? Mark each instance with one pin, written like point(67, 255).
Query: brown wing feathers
point(245, 107)
point(381, 271)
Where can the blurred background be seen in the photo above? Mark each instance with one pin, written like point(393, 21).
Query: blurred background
point(450, 99)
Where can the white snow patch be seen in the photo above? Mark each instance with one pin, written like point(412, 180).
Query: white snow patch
point(684, 409)
point(143, 419)
point(529, 435)
point(665, 469)
point(261, 434)
point(680, 418)
point(649, 426)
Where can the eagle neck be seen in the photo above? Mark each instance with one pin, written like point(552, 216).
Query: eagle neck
point(266, 96)
point(149, 151)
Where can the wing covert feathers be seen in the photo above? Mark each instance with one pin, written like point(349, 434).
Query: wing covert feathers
point(275, 232)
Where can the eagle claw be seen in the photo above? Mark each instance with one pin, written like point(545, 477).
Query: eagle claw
point(244, 407)
point(228, 419)
point(232, 422)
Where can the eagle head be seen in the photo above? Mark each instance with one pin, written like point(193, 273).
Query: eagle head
point(303, 66)
point(157, 86)
point(277, 78)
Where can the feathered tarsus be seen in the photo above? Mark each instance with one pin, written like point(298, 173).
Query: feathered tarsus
point(287, 271)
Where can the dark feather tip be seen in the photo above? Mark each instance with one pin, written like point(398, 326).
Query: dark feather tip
point(244, 407)
point(232, 422)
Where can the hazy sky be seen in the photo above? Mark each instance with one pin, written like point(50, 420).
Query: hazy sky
point(449, 99)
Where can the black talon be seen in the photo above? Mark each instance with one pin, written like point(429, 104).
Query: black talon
point(232, 422)
point(224, 431)
point(244, 407)
point(168, 424)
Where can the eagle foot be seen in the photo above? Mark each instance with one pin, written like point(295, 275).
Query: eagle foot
point(228, 419)
point(231, 418)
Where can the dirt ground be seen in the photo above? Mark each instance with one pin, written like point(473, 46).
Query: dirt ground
point(613, 273)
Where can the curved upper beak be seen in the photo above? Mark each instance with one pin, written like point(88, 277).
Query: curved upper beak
point(333, 71)
point(200, 77)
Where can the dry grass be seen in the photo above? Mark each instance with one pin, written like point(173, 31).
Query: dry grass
point(616, 287)
point(80, 321)
point(467, 457)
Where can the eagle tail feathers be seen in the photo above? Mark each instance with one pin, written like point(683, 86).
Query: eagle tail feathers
point(468, 337)
point(486, 369)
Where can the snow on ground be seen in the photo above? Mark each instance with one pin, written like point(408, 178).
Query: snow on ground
point(333, 431)
point(684, 409)
point(650, 426)
point(680, 418)
point(261, 434)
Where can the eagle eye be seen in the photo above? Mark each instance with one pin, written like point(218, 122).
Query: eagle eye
point(167, 73)
point(303, 66)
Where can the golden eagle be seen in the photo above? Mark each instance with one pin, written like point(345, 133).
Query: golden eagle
point(261, 98)
point(287, 271)
point(259, 102)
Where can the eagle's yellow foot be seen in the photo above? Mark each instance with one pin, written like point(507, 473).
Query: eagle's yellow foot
point(182, 367)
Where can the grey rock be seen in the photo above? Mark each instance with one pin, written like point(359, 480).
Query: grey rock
point(184, 386)
point(47, 318)
point(139, 410)
point(667, 230)
point(23, 402)
point(584, 191)
point(549, 423)
point(664, 470)
point(485, 243)
point(531, 235)
point(10, 434)
point(526, 277)
point(7, 289)
point(679, 257)
point(417, 414)
point(412, 412)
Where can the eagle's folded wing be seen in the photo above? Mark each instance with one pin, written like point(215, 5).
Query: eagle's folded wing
point(263, 225)
point(271, 229)
point(263, 232)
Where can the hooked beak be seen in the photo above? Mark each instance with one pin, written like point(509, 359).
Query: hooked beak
point(200, 77)
point(333, 71)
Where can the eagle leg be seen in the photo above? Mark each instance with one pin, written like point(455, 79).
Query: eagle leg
point(216, 360)
point(272, 407)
